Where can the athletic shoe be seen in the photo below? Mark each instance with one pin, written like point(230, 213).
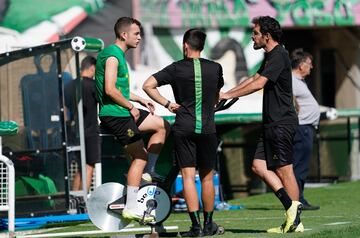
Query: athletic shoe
point(280, 229)
point(309, 207)
point(130, 215)
point(211, 229)
point(195, 231)
point(152, 177)
point(146, 177)
point(293, 217)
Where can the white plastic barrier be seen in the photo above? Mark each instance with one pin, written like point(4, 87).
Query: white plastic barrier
point(7, 191)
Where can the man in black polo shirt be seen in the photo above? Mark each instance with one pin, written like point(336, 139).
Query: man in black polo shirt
point(274, 153)
point(196, 83)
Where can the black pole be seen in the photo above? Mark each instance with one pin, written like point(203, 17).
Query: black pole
point(348, 126)
point(359, 132)
point(318, 141)
point(63, 127)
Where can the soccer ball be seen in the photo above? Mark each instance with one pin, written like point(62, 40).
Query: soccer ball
point(331, 113)
point(78, 43)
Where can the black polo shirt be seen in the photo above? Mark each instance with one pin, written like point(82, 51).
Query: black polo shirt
point(196, 84)
point(278, 107)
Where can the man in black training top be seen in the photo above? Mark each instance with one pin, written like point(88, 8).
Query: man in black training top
point(91, 127)
point(274, 153)
point(196, 83)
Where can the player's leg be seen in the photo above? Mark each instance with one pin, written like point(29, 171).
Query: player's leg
point(206, 158)
point(76, 184)
point(268, 176)
point(185, 154)
point(281, 161)
point(260, 168)
point(159, 129)
point(286, 175)
point(93, 156)
point(138, 154)
point(129, 136)
point(190, 192)
point(89, 175)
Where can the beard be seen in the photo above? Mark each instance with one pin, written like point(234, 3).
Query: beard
point(257, 46)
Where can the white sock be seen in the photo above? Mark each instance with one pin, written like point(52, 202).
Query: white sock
point(151, 162)
point(131, 198)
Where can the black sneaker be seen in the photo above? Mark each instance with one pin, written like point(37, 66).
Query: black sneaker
point(212, 229)
point(195, 231)
point(308, 207)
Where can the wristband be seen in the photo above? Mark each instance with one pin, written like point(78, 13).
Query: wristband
point(167, 104)
point(132, 106)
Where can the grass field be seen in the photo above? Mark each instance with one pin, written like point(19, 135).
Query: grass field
point(339, 216)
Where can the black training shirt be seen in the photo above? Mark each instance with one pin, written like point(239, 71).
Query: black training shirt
point(90, 102)
point(278, 105)
point(196, 84)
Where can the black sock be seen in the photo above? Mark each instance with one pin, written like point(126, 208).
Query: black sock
point(284, 198)
point(195, 218)
point(208, 217)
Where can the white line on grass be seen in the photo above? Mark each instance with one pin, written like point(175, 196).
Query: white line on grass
point(338, 223)
point(68, 234)
point(255, 218)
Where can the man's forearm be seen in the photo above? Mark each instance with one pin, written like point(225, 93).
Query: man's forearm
point(252, 85)
point(155, 95)
point(119, 99)
point(135, 98)
point(242, 84)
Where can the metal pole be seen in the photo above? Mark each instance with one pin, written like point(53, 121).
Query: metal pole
point(63, 126)
point(348, 126)
point(318, 140)
point(11, 214)
point(81, 127)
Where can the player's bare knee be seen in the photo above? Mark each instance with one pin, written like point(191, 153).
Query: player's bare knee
point(256, 169)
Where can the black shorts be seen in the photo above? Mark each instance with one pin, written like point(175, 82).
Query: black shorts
point(92, 150)
point(276, 146)
point(195, 150)
point(124, 128)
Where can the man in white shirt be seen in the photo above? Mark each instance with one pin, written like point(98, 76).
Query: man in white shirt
point(308, 113)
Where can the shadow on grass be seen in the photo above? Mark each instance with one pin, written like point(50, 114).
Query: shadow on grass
point(265, 208)
point(180, 234)
point(244, 231)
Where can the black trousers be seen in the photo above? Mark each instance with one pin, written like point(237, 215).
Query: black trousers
point(303, 146)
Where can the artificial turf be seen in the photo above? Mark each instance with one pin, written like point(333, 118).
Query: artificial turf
point(339, 215)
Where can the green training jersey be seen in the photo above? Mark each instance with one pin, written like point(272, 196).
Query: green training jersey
point(107, 106)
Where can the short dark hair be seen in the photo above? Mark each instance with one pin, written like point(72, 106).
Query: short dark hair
point(87, 62)
point(299, 56)
point(195, 38)
point(269, 25)
point(124, 22)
